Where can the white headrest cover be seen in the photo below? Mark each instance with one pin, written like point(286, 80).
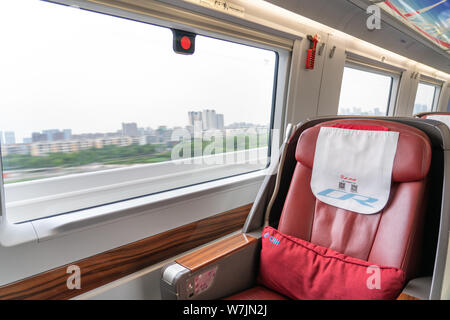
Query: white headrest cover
point(352, 169)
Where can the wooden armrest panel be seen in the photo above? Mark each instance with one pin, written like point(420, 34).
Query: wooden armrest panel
point(215, 251)
point(404, 296)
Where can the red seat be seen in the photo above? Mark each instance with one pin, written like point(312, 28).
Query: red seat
point(391, 237)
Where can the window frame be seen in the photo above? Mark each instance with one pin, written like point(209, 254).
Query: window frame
point(393, 73)
point(437, 91)
point(55, 226)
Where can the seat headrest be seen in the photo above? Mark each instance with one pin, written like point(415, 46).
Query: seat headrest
point(412, 159)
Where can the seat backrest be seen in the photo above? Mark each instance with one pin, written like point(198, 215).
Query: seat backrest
point(391, 237)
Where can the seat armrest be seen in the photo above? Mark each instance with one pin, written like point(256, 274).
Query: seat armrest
point(209, 254)
point(214, 271)
point(416, 289)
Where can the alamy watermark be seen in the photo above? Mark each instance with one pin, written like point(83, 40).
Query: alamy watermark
point(217, 147)
point(374, 280)
point(74, 280)
point(374, 20)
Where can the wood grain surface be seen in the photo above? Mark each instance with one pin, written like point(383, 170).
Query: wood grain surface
point(114, 264)
point(215, 251)
point(404, 296)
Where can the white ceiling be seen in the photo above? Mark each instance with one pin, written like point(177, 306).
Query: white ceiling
point(350, 16)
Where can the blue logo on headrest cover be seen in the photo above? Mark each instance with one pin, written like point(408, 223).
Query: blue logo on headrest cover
point(272, 239)
point(343, 195)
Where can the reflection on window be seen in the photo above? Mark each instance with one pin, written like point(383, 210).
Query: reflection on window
point(364, 93)
point(424, 98)
point(99, 92)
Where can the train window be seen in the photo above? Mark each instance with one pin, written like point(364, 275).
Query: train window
point(364, 93)
point(426, 97)
point(92, 102)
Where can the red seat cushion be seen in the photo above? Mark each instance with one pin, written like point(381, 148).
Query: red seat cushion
point(257, 293)
point(301, 270)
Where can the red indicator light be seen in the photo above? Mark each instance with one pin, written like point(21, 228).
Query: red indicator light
point(185, 42)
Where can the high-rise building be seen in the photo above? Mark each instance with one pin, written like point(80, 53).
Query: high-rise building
point(130, 129)
point(209, 119)
point(1, 138)
point(195, 120)
point(194, 116)
point(220, 121)
point(57, 136)
point(67, 134)
point(10, 137)
point(50, 133)
point(205, 120)
point(38, 137)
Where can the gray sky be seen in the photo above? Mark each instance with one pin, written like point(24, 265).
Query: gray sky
point(62, 67)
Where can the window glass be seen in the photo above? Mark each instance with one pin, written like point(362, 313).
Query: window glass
point(364, 93)
point(84, 92)
point(424, 98)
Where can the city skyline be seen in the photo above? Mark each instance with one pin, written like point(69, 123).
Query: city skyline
point(361, 111)
point(53, 135)
point(48, 141)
